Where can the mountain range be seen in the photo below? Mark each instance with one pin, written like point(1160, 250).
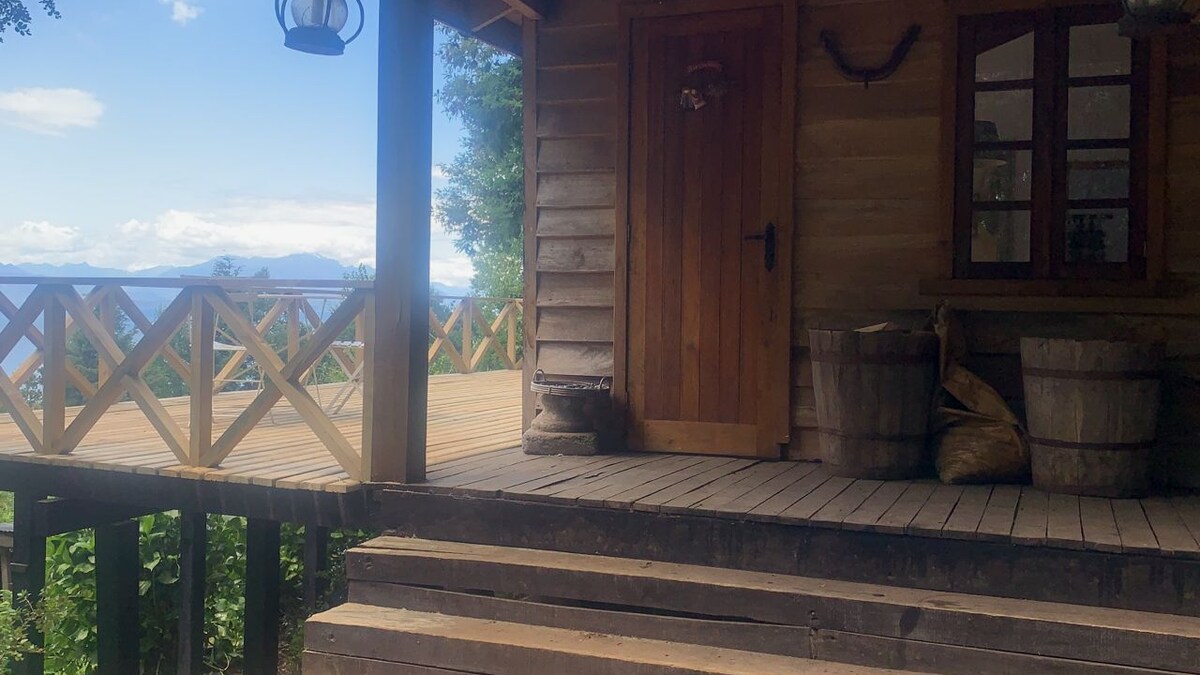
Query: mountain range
point(298, 266)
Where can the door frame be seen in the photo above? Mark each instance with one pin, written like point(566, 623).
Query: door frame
point(781, 298)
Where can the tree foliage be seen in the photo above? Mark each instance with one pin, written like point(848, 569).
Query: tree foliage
point(14, 14)
point(483, 204)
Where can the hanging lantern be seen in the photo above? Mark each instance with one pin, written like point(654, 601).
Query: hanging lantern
point(318, 25)
point(1147, 17)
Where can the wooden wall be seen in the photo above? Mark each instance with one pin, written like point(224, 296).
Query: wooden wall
point(870, 224)
point(571, 132)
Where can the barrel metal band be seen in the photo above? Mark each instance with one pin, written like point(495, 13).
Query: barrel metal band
point(867, 436)
point(1081, 445)
point(873, 359)
point(1121, 375)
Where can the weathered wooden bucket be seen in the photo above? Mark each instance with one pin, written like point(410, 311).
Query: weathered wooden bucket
point(873, 395)
point(1092, 410)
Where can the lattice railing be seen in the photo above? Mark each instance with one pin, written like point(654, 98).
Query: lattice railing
point(281, 331)
point(496, 322)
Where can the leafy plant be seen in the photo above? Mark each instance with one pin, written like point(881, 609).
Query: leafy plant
point(13, 625)
point(14, 13)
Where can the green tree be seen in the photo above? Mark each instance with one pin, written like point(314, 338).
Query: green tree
point(484, 202)
point(14, 14)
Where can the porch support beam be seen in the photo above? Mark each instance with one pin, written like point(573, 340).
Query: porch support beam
point(262, 598)
point(28, 574)
point(193, 543)
point(316, 566)
point(117, 624)
point(60, 516)
point(398, 370)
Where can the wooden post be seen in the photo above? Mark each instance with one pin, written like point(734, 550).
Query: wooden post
point(262, 597)
point(108, 319)
point(204, 328)
point(193, 544)
point(54, 373)
point(293, 327)
point(396, 432)
point(28, 573)
point(316, 564)
point(468, 333)
point(512, 331)
point(117, 624)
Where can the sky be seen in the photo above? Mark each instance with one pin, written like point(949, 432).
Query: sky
point(142, 133)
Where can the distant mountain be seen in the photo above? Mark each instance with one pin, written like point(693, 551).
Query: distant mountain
point(69, 270)
point(12, 271)
point(449, 291)
point(299, 266)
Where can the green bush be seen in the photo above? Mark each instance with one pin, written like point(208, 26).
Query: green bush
point(13, 624)
point(67, 613)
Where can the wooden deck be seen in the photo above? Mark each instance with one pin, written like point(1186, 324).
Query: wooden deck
point(468, 415)
point(800, 493)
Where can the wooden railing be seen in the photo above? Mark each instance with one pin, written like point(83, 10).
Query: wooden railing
point(213, 315)
point(216, 335)
point(496, 321)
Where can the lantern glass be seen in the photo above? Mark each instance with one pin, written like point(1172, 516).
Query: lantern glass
point(312, 14)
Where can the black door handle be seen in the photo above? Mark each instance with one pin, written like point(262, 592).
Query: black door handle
point(768, 239)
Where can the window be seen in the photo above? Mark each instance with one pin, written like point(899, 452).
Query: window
point(1050, 150)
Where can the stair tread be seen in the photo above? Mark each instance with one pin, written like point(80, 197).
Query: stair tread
point(1134, 621)
point(375, 623)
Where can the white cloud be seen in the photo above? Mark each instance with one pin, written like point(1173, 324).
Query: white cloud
point(342, 230)
point(439, 172)
point(182, 12)
point(49, 111)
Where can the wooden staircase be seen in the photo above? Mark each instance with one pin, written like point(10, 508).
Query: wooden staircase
point(420, 606)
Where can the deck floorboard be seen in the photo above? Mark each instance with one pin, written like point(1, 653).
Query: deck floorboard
point(805, 493)
point(471, 417)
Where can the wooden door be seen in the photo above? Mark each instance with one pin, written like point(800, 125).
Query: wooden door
point(709, 197)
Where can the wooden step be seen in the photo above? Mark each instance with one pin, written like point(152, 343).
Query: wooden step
point(854, 622)
point(336, 639)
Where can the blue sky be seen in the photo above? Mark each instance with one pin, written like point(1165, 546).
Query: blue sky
point(160, 132)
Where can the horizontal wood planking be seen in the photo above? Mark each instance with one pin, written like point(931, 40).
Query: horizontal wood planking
point(575, 126)
point(576, 324)
point(575, 255)
point(576, 290)
point(575, 358)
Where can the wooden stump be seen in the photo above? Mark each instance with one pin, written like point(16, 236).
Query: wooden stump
point(873, 393)
point(1092, 414)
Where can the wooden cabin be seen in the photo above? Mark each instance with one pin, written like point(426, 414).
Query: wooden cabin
point(706, 181)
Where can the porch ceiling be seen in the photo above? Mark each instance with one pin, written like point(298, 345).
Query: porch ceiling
point(497, 22)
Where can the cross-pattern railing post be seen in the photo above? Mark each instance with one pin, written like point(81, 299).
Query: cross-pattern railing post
point(108, 319)
point(512, 331)
point(468, 337)
point(200, 386)
point(54, 371)
point(365, 324)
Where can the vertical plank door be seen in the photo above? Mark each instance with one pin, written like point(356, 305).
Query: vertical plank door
point(708, 291)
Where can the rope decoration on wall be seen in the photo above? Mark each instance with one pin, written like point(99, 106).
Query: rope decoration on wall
point(868, 75)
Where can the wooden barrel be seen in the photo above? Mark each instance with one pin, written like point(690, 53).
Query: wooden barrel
point(1092, 410)
point(873, 393)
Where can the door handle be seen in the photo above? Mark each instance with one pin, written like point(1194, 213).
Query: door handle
point(767, 237)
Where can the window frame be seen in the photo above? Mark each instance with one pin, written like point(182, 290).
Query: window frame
point(1049, 201)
